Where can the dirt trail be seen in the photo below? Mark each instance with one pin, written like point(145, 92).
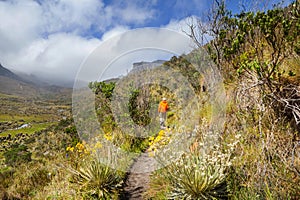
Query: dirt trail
point(138, 179)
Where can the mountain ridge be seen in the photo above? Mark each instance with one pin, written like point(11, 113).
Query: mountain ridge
point(28, 86)
point(7, 73)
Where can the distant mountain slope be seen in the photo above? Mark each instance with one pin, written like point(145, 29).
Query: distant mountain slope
point(15, 87)
point(31, 79)
point(7, 73)
point(12, 84)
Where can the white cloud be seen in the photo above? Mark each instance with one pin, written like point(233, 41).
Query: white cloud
point(70, 15)
point(132, 12)
point(114, 32)
point(58, 56)
point(25, 47)
point(19, 24)
point(181, 25)
point(50, 37)
point(53, 36)
point(116, 55)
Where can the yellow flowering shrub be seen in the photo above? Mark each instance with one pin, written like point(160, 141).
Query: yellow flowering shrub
point(156, 143)
point(108, 136)
point(80, 147)
point(70, 149)
point(75, 153)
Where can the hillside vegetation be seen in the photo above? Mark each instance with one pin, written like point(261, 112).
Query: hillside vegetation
point(258, 153)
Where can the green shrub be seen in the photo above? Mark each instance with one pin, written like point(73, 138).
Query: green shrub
point(64, 123)
point(72, 132)
point(105, 88)
point(17, 154)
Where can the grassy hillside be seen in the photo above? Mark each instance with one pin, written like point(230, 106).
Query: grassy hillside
point(257, 156)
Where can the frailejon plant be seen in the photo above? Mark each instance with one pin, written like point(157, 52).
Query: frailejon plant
point(199, 176)
point(193, 178)
point(97, 180)
point(202, 173)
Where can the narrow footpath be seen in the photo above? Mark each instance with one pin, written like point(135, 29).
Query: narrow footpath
point(138, 178)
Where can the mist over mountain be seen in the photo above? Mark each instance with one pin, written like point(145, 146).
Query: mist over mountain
point(7, 73)
point(15, 81)
point(21, 84)
point(50, 79)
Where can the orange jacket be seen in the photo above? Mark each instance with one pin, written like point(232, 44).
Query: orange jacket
point(163, 106)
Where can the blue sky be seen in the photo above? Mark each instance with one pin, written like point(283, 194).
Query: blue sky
point(53, 37)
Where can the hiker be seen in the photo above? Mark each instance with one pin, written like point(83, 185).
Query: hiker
point(162, 110)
